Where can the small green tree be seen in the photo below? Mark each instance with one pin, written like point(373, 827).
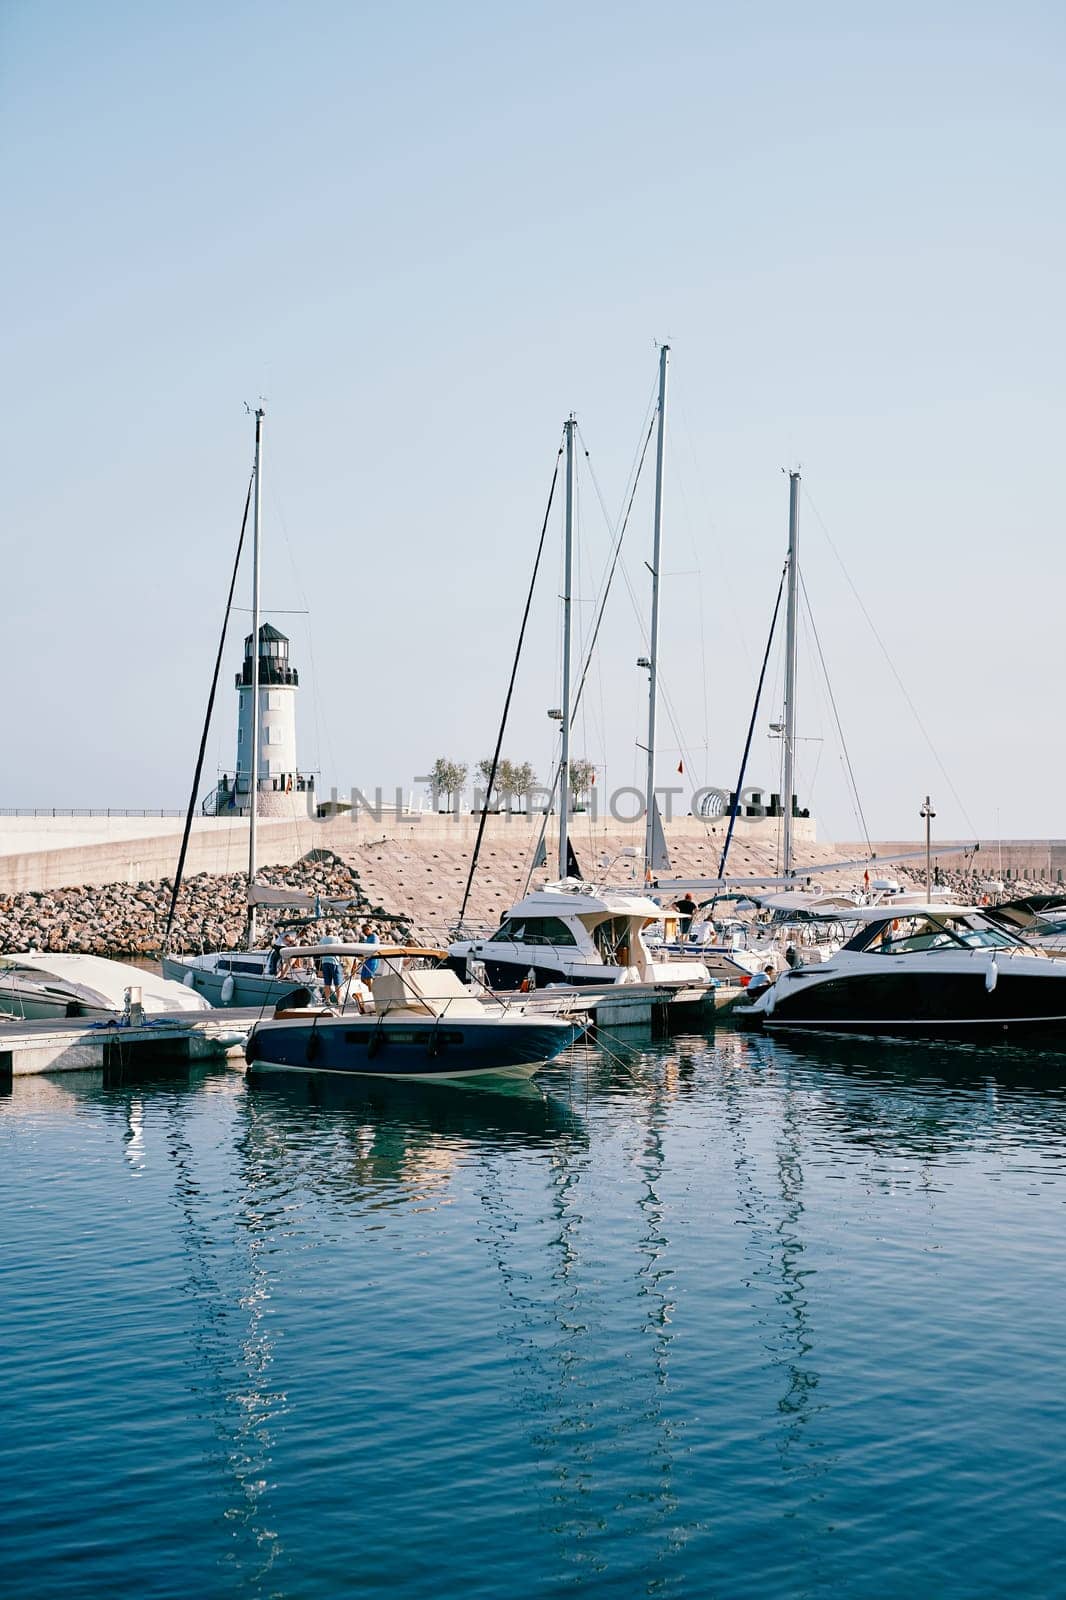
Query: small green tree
point(582, 777)
point(523, 778)
point(491, 783)
point(447, 777)
point(505, 781)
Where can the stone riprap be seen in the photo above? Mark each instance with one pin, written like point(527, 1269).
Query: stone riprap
point(124, 919)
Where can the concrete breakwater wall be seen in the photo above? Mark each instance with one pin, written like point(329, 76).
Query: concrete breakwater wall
point(411, 871)
point(39, 853)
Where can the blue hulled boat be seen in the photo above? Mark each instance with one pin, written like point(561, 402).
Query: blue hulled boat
point(420, 1022)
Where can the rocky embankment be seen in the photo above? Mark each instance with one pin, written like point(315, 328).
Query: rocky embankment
point(129, 919)
point(969, 888)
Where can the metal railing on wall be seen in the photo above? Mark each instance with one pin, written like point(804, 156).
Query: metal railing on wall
point(84, 811)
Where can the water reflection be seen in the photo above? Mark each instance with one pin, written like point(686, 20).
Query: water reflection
point(569, 1319)
point(770, 1197)
point(913, 1061)
point(633, 1239)
point(379, 1141)
point(925, 1101)
point(233, 1347)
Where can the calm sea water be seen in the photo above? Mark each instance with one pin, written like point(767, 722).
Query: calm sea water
point(714, 1317)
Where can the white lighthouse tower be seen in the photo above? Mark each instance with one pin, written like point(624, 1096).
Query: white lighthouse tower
point(279, 776)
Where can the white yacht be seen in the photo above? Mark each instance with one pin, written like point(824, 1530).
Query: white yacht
point(575, 934)
point(802, 927)
point(40, 984)
point(922, 970)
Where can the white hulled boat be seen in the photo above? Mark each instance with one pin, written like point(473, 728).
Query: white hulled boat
point(925, 970)
point(575, 934)
point(40, 984)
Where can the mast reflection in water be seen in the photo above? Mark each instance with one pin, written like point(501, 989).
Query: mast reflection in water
point(707, 1316)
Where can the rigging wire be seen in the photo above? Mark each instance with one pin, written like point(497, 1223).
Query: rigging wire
point(616, 553)
point(681, 746)
point(207, 723)
point(891, 665)
point(510, 691)
point(836, 718)
point(809, 781)
point(735, 808)
point(601, 608)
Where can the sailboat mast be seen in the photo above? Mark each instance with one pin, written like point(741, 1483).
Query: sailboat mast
point(653, 668)
point(790, 669)
point(253, 794)
point(568, 576)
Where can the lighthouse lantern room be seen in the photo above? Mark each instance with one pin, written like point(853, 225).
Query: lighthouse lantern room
point(279, 776)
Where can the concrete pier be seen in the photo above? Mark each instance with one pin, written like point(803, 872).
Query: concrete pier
point(78, 1044)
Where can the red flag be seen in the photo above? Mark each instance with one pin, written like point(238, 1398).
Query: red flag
point(680, 766)
point(866, 877)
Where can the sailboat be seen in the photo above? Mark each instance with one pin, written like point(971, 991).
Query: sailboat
point(801, 909)
point(572, 933)
point(248, 977)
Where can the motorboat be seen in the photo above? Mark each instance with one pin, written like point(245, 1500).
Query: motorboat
point(43, 984)
point(723, 948)
point(1040, 917)
point(424, 1023)
point(575, 934)
point(798, 927)
point(922, 969)
point(228, 978)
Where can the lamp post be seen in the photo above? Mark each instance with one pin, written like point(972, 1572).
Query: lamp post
point(928, 813)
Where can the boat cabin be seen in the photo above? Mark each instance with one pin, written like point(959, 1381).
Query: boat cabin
point(572, 933)
point(930, 928)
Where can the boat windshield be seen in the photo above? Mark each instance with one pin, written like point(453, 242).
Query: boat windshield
point(613, 940)
point(905, 935)
point(533, 930)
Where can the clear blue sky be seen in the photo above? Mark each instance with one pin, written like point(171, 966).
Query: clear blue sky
point(425, 233)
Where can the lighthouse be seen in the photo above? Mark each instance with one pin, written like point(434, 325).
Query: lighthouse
point(279, 777)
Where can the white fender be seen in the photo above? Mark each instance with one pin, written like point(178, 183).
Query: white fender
point(991, 975)
point(188, 980)
point(227, 990)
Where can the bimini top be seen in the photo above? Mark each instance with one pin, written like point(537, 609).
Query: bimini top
point(300, 952)
point(831, 906)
